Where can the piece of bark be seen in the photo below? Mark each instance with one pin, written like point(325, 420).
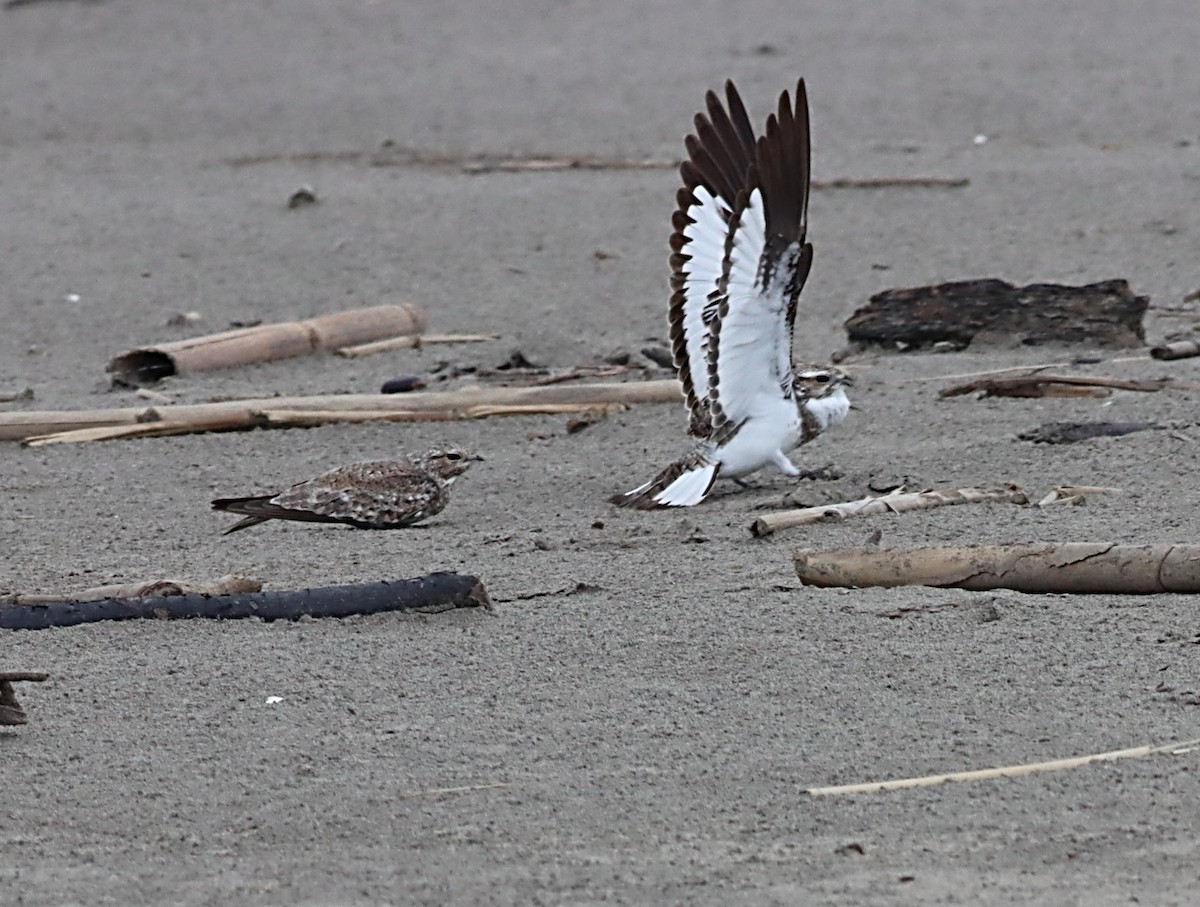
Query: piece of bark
point(1098, 314)
point(24, 425)
point(428, 594)
point(893, 502)
point(228, 584)
point(11, 712)
point(1179, 349)
point(1079, 567)
point(415, 341)
point(265, 343)
point(1071, 432)
point(1040, 384)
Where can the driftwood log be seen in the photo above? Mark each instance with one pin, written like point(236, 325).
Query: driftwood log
point(264, 343)
point(162, 588)
point(1098, 314)
point(1072, 432)
point(24, 425)
point(11, 712)
point(1043, 384)
point(1082, 567)
point(892, 502)
point(429, 594)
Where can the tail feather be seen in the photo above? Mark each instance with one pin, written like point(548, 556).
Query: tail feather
point(684, 483)
point(260, 509)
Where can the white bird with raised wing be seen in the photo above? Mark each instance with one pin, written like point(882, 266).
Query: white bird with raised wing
point(739, 259)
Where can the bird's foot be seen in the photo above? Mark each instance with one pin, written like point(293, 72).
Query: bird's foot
point(826, 473)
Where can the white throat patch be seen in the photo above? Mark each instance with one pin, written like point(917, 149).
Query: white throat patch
point(829, 410)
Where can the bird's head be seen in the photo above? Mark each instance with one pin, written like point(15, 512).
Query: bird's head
point(448, 462)
point(816, 382)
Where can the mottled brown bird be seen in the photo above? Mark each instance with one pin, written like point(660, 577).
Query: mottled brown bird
point(377, 494)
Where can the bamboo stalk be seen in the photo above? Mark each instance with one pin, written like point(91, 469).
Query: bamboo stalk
point(1008, 771)
point(265, 342)
point(25, 426)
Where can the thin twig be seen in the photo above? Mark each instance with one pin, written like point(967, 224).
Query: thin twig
point(415, 341)
point(441, 791)
point(1009, 771)
point(894, 182)
point(475, 162)
point(1032, 369)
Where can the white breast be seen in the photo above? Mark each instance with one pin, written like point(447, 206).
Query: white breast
point(829, 410)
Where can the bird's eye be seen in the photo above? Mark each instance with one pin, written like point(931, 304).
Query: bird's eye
point(822, 378)
point(453, 456)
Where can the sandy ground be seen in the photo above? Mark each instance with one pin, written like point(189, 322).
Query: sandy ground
point(646, 740)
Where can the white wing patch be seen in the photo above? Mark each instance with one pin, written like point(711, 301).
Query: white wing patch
point(706, 247)
point(753, 324)
point(689, 489)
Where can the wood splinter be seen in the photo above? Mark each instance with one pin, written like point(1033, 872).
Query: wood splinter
point(11, 712)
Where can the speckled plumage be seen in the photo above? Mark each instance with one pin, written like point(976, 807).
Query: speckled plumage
point(376, 494)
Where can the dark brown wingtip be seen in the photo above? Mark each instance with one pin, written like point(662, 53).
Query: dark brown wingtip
point(245, 524)
point(632, 501)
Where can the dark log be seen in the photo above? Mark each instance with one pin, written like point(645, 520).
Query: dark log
point(1099, 314)
point(1070, 432)
point(430, 594)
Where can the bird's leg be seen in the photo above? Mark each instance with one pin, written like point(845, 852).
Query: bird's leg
point(743, 483)
point(784, 465)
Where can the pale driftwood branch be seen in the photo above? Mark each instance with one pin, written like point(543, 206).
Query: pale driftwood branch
point(428, 594)
point(265, 343)
point(25, 425)
point(11, 712)
point(1180, 349)
point(243, 421)
point(1041, 384)
point(1103, 314)
point(415, 341)
point(1069, 495)
point(230, 583)
point(892, 502)
point(1009, 771)
point(1078, 567)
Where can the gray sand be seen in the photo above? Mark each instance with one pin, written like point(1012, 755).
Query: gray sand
point(654, 732)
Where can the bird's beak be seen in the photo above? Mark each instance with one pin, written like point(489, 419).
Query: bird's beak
point(848, 381)
point(476, 458)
